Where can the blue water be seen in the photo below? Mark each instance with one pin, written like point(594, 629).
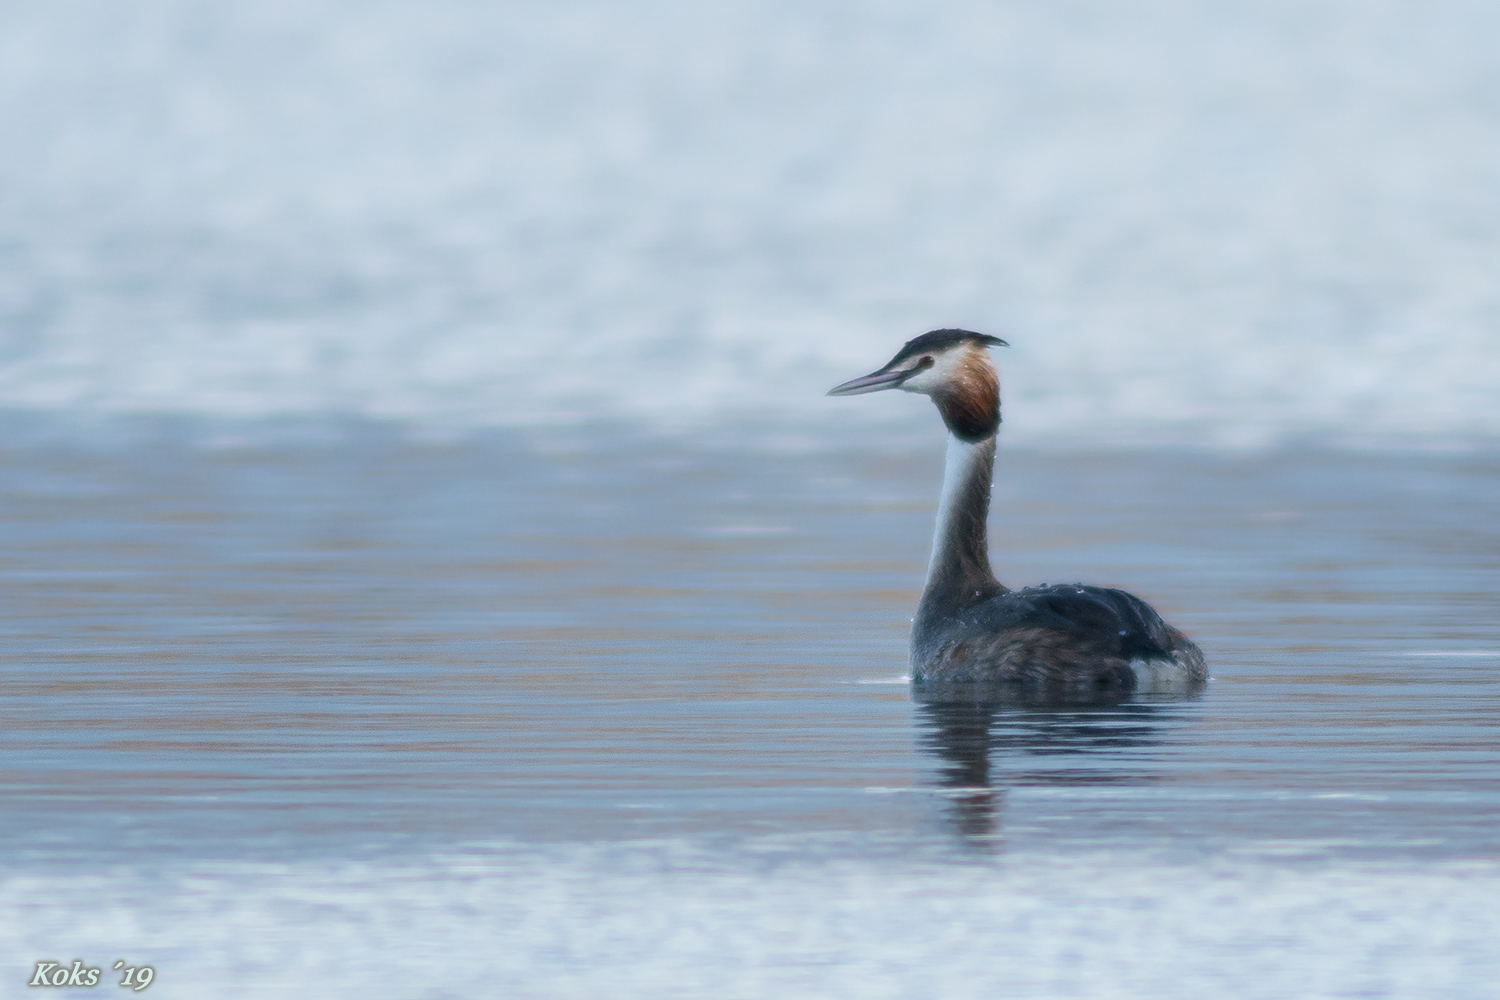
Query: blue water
point(622, 717)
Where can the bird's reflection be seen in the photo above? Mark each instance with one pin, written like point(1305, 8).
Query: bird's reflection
point(987, 738)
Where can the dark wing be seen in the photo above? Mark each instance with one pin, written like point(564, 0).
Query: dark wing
point(1076, 634)
point(1123, 623)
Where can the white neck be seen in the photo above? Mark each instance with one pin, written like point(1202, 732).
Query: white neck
point(959, 545)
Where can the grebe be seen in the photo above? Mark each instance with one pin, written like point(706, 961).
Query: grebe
point(970, 627)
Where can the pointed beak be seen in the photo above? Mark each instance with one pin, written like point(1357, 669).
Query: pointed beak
point(873, 382)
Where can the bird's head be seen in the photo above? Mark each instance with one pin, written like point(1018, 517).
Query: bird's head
point(951, 366)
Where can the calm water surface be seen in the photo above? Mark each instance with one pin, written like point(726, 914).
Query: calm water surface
point(630, 717)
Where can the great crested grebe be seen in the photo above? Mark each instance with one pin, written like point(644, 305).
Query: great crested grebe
point(969, 626)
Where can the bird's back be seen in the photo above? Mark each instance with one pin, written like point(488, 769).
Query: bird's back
point(1064, 637)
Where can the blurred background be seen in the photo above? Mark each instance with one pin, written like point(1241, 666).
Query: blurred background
point(1212, 224)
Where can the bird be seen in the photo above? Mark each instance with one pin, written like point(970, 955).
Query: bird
point(1052, 639)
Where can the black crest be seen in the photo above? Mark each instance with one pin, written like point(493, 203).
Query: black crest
point(941, 340)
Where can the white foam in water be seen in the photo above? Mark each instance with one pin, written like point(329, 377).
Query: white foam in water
point(1225, 225)
point(663, 922)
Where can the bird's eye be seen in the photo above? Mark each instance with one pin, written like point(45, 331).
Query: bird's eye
point(926, 362)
